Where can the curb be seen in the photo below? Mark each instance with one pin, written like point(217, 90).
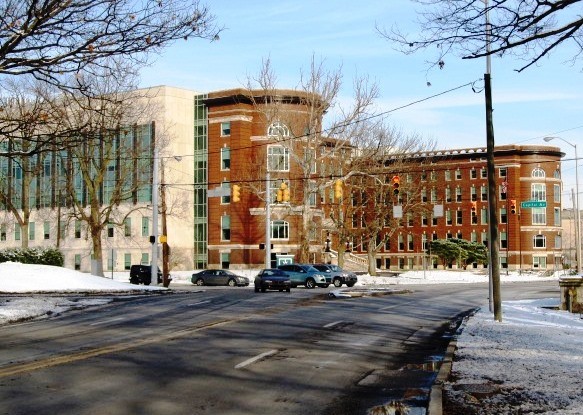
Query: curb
point(435, 406)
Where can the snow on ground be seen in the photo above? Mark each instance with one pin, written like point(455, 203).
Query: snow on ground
point(534, 356)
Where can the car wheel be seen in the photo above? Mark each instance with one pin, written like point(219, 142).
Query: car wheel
point(231, 283)
point(199, 281)
point(281, 289)
point(350, 284)
point(263, 289)
point(288, 290)
point(337, 282)
point(310, 283)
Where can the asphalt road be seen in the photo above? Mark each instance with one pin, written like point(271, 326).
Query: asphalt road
point(233, 351)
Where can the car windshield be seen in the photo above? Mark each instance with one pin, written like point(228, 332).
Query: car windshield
point(323, 268)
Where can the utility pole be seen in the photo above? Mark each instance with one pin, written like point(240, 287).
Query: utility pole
point(267, 221)
point(495, 299)
point(155, 185)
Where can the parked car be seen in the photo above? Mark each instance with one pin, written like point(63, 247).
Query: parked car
point(142, 274)
point(304, 274)
point(219, 277)
point(272, 279)
point(336, 275)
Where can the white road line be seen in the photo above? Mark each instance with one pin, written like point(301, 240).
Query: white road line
point(202, 302)
point(111, 320)
point(327, 326)
point(254, 359)
point(390, 306)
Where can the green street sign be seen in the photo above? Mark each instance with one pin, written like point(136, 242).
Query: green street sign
point(533, 204)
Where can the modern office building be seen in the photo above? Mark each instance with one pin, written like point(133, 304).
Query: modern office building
point(220, 151)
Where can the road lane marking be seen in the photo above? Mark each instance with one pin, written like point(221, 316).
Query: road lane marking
point(254, 359)
point(390, 306)
point(111, 320)
point(18, 368)
point(199, 303)
point(329, 325)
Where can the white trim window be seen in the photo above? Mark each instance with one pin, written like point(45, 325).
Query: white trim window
point(539, 262)
point(225, 158)
point(539, 216)
point(278, 129)
point(538, 191)
point(277, 158)
point(225, 228)
point(538, 173)
point(279, 229)
point(539, 241)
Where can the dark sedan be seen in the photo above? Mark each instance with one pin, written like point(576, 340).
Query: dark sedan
point(219, 277)
point(272, 279)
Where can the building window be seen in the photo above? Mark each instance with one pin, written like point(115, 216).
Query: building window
point(47, 230)
point(279, 229)
point(77, 229)
point(538, 172)
point(63, 230)
point(278, 130)
point(410, 244)
point(277, 158)
point(225, 228)
point(458, 174)
point(539, 216)
point(448, 219)
point(447, 175)
point(539, 262)
point(127, 261)
point(503, 262)
point(424, 219)
point(145, 258)
point(3, 232)
point(225, 260)
point(433, 175)
point(557, 193)
point(458, 194)
point(401, 242)
point(484, 173)
point(424, 242)
point(473, 194)
point(17, 231)
point(78, 262)
point(557, 217)
point(558, 242)
point(473, 236)
point(503, 172)
point(225, 158)
point(447, 194)
point(109, 230)
point(538, 192)
point(484, 216)
point(127, 227)
point(227, 186)
point(484, 193)
point(31, 231)
point(502, 190)
point(503, 216)
point(459, 217)
point(225, 129)
point(473, 174)
point(503, 240)
point(539, 241)
point(433, 195)
point(484, 238)
point(424, 195)
point(145, 226)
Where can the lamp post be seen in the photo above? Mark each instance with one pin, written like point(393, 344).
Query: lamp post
point(577, 221)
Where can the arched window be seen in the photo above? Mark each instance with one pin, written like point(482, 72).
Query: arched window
point(279, 229)
point(278, 130)
point(538, 172)
point(557, 174)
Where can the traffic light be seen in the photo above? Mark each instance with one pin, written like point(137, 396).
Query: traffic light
point(474, 208)
point(338, 189)
point(236, 193)
point(396, 185)
point(283, 193)
point(513, 206)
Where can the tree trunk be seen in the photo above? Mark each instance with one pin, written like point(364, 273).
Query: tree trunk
point(370, 253)
point(97, 259)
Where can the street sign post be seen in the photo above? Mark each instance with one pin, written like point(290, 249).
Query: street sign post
point(533, 204)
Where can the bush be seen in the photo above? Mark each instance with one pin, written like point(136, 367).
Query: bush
point(42, 256)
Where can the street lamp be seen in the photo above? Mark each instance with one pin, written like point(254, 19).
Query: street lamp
point(577, 223)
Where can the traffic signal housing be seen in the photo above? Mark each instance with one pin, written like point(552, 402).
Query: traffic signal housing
point(236, 193)
point(338, 189)
point(283, 193)
point(396, 185)
point(513, 206)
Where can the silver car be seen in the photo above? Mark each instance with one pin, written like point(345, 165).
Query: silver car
point(219, 277)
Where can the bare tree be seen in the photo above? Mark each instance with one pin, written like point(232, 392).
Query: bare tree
point(312, 132)
point(49, 38)
point(527, 29)
point(108, 162)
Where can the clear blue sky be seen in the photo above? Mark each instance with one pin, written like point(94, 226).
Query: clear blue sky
point(542, 101)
